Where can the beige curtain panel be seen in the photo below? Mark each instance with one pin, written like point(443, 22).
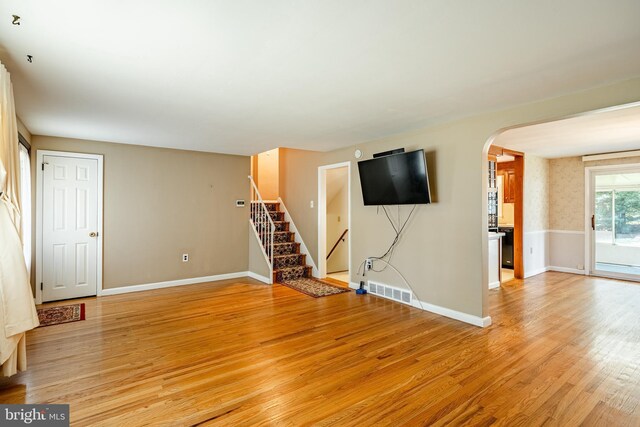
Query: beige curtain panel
point(17, 309)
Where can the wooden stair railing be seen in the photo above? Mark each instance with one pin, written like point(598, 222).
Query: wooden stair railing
point(338, 242)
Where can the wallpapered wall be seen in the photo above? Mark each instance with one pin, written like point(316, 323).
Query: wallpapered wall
point(536, 193)
point(566, 194)
point(566, 190)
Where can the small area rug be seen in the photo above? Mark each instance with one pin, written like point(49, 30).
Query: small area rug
point(61, 314)
point(314, 287)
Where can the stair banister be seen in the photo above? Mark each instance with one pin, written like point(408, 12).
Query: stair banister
point(262, 223)
point(340, 239)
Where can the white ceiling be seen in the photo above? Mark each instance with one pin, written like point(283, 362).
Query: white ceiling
point(242, 76)
point(608, 131)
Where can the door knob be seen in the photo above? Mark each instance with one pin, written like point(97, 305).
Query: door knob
point(93, 234)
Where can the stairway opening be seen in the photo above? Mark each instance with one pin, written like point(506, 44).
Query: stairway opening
point(334, 213)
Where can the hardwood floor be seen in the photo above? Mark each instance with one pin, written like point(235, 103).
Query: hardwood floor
point(563, 350)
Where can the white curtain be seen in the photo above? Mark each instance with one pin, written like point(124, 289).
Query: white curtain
point(25, 204)
point(17, 310)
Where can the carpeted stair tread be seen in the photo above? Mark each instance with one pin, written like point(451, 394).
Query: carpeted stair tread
point(285, 261)
point(291, 273)
point(282, 237)
point(286, 248)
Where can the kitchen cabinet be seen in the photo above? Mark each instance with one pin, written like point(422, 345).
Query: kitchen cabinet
point(508, 174)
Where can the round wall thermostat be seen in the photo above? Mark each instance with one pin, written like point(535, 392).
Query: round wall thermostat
point(358, 154)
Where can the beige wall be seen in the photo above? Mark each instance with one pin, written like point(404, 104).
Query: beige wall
point(269, 174)
point(160, 203)
point(536, 193)
point(443, 254)
point(566, 194)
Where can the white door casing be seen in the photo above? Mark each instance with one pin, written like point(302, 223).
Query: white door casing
point(322, 215)
point(590, 235)
point(69, 226)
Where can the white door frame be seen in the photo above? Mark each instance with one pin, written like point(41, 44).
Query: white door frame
point(322, 215)
point(39, 203)
point(590, 173)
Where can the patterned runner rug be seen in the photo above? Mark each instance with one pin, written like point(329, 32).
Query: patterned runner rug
point(314, 287)
point(61, 314)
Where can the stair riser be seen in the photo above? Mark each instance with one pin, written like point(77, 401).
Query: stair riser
point(297, 273)
point(272, 206)
point(276, 216)
point(280, 226)
point(286, 249)
point(289, 261)
point(283, 237)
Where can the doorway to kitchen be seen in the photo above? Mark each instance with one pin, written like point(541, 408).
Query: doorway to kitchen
point(334, 213)
point(613, 221)
point(506, 210)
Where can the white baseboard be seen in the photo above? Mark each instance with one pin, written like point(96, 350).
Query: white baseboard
point(259, 277)
point(535, 272)
point(566, 270)
point(171, 283)
point(494, 285)
point(446, 312)
point(483, 322)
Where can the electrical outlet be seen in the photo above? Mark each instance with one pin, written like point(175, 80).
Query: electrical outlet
point(311, 204)
point(368, 264)
point(530, 250)
point(185, 257)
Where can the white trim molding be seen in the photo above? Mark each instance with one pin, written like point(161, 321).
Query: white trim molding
point(180, 282)
point(322, 215)
point(590, 173)
point(482, 322)
point(607, 156)
point(39, 215)
point(494, 285)
point(259, 277)
point(536, 272)
point(566, 270)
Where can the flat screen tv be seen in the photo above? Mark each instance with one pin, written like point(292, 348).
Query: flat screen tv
point(397, 179)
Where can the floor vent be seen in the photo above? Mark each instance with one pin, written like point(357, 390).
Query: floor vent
point(390, 292)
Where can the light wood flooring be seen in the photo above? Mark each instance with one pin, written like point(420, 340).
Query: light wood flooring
point(563, 350)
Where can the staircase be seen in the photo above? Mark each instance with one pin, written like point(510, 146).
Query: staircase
point(278, 243)
point(288, 262)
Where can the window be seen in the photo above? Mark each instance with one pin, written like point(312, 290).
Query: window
point(25, 201)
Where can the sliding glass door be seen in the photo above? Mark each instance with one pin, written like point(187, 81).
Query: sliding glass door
point(615, 222)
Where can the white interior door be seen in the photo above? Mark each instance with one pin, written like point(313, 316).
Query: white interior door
point(69, 227)
point(615, 222)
